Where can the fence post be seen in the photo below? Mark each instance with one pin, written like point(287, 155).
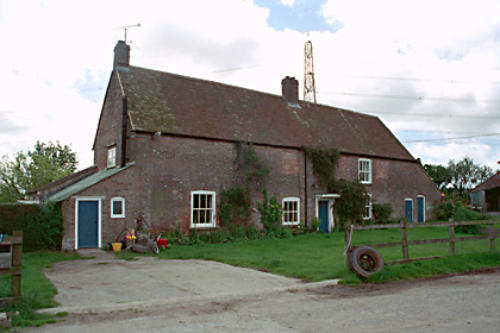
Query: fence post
point(347, 244)
point(451, 232)
point(17, 253)
point(404, 239)
point(491, 234)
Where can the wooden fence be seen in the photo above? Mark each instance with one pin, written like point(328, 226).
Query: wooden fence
point(14, 267)
point(404, 243)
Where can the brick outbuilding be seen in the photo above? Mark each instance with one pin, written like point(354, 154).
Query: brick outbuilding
point(166, 146)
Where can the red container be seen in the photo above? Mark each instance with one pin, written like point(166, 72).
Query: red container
point(162, 243)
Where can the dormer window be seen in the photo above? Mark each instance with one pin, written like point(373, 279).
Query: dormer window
point(111, 158)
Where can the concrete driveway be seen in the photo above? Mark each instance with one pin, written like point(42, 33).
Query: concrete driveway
point(109, 284)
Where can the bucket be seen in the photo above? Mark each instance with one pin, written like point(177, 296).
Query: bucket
point(117, 247)
point(162, 243)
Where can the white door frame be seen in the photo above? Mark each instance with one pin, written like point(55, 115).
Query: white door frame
point(99, 218)
point(331, 201)
point(423, 200)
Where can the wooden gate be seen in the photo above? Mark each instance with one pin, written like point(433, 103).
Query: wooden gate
point(10, 263)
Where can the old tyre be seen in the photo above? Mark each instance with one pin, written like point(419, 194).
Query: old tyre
point(366, 261)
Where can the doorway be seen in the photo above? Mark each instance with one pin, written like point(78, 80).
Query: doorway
point(324, 211)
point(87, 223)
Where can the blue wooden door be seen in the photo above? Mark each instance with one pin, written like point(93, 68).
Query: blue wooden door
point(87, 223)
point(323, 216)
point(420, 209)
point(409, 210)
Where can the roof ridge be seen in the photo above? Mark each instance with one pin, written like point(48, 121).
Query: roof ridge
point(247, 89)
point(177, 104)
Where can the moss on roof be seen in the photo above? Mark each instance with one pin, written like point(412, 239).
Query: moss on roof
point(179, 105)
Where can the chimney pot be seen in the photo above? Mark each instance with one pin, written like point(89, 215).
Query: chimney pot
point(122, 54)
point(290, 90)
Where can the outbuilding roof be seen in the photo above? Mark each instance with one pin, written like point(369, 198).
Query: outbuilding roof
point(85, 183)
point(179, 105)
point(492, 182)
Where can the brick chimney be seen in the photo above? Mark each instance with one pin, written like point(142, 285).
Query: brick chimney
point(290, 90)
point(122, 54)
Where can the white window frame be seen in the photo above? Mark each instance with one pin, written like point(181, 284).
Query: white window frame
point(290, 199)
point(369, 205)
point(111, 157)
point(213, 209)
point(117, 216)
point(367, 172)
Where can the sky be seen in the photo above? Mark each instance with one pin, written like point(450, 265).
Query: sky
point(430, 70)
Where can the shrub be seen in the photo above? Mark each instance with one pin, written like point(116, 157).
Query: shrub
point(465, 214)
point(253, 232)
point(381, 212)
point(234, 207)
point(352, 202)
point(444, 210)
point(454, 208)
point(270, 214)
point(42, 225)
point(286, 233)
point(315, 223)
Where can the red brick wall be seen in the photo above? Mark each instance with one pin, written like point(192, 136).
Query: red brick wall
point(123, 184)
point(173, 167)
point(168, 168)
point(393, 181)
point(109, 129)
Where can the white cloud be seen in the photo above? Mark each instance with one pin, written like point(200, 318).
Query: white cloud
point(441, 153)
point(446, 52)
point(288, 3)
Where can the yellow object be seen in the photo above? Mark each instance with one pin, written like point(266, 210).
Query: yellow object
point(117, 247)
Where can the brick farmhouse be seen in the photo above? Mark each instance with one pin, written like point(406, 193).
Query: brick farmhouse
point(166, 145)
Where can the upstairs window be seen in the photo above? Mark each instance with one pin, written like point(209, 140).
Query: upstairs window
point(367, 215)
point(202, 209)
point(365, 171)
point(117, 208)
point(291, 211)
point(111, 157)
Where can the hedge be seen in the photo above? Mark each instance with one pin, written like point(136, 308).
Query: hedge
point(42, 225)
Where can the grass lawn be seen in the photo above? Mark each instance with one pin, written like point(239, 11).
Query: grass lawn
point(317, 257)
point(37, 291)
point(311, 256)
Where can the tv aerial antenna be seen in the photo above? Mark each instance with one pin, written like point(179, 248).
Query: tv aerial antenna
point(126, 28)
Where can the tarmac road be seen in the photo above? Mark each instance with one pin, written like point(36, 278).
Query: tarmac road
point(466, 303)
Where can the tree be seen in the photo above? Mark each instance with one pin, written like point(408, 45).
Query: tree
point(461, 176)
point(465, 174)
point(45, 163)
point(439, 174)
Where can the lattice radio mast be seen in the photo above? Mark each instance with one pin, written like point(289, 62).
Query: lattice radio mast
point(309, 85)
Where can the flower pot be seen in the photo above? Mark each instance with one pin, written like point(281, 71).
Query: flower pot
point(117, 247)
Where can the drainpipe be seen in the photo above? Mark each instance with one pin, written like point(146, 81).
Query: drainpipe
point(306, 223)
point(124, 133)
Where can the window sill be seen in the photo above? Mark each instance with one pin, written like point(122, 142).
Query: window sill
point(207, 226)
point(290, 223)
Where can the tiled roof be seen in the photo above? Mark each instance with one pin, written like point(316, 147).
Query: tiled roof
point(492, 182)
point(173, 104)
